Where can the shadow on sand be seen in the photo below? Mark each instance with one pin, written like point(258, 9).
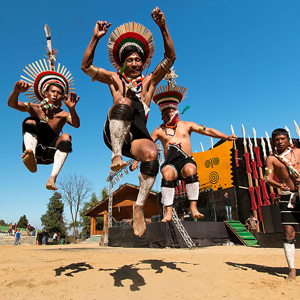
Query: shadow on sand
point(131, 272)
point(74, 268)
point(274, 271)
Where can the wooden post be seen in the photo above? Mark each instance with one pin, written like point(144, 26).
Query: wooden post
point(93, 226)
point(104, 235)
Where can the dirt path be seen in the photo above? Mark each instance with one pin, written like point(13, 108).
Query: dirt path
point(87, 271)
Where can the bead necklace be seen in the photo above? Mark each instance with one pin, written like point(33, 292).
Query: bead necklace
point(133, 84)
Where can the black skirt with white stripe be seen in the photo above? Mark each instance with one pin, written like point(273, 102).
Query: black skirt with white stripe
point(289, 216)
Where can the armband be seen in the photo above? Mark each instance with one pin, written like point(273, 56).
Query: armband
point(166, 64)
point(269, 171)
point(92, 71)
point(68, 117)
point(27, 106)
point(201, 129)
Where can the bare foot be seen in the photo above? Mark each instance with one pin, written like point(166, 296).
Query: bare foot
point(50, 185)
point(194, 211)
point(168, 215)
point(117, 163)
point(29, 160)
point(139, 225)
point(292, 275)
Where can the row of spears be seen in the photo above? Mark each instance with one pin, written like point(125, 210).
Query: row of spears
point(254, 169)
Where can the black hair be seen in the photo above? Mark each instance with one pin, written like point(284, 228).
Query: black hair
point(279, 131)
point(55, 84)
point(167, 108)
point(129, 50)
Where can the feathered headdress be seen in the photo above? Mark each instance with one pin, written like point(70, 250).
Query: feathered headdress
point(42, 74)
point(169, 96)
point(126, 35)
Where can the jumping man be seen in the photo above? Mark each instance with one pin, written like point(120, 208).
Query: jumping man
point(131, 48)
point(43, 142)
point(175, 136)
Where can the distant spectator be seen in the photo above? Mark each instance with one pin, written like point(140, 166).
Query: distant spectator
point(227, 201)
point(45, 237)
point(28, 229)
point(252, 224)
point(10, 229)
point(14, 229)
point(55, 238)
point(17, 240)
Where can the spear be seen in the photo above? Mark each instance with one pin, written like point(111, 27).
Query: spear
point(260, 170)
point(236, 151)
point(297, 129)
point(50, 51)
point(211, 143)
point(263, 145)
point(249, 175)
point(271, 153)
point(202, 149)
point(255, 177)
point(291, 141)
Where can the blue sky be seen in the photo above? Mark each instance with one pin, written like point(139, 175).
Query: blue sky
point(240, 61)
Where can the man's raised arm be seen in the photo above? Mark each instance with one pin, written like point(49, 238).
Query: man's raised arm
point(71, 102)
point(170, 55)
point(13, 102)
point(87, 66)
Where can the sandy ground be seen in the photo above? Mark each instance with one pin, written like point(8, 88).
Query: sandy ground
point(88, 271)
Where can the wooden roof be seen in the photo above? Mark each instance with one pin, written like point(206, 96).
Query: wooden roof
point(120, 195)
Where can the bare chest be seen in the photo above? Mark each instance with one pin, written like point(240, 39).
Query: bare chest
point(55, 119)
point(123, 89)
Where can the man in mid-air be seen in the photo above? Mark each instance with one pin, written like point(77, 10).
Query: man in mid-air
point(175, 136)
point(131, 49)
point(43, 142)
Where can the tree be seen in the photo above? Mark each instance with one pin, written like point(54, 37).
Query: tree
point(86, 220)
point(53, 219)
point(2, 223)
point(23, 222)
point(74, 190)
point(104, 193)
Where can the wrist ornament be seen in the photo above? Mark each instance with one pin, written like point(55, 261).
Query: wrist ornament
point(201, 129)
point(27, 106)
point(92, 71)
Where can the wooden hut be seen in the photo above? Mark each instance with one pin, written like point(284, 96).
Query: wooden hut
point(123, 199)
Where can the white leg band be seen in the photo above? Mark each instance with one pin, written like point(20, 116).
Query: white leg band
point(289, 250)
point(167, 195)
point(30, 141)
point(146, 184)
point(192, 190)
point(118, 131)
point(59, 159)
